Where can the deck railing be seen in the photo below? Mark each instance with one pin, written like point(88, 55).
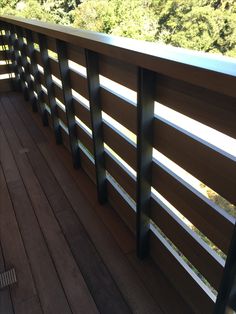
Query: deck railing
point(127, 112)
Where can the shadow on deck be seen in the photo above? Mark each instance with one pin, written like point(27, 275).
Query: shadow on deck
point(71, 255)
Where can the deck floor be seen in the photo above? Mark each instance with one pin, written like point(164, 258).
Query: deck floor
point(71, 255)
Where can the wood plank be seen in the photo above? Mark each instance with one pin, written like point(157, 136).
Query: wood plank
point(121, 176)
point(191, 292)
point(5, 297)
point(58, 92)
point(73, 283)
point(119, 109)
point(79, 84)
point(4, 68)
point(198, 159)
point(118, 71)
point(121, 147)
point(81, 179)
point(38, 57)
point(3, 54)
point(122, 208)
point(47, 282)
point(24, 294)
point(85, 139)
point(133, 291)
point(188, 243)
point(51, 42)
point(76, 54)
point(83, 114)
point(99, 281)
point(211, 108)
point(201, 214)
point(6, 85)
point(54, 67)
point(162, 290)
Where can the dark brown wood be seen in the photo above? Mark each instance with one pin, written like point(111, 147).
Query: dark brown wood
point(119, 109)
point(24, 297)
point(46, 278)
point(79, 84)
point(119, 71)
point(198, 159)
point(6, 85)
point(83, 114)
point(54, 65)
point(85, 139)
point(121, 176)
point(196, 296)
point(194, 249)
point(120, 145)
point(76, 54)
point(126, 213)
point(201, 213)
point(70, 275)
point(211, 108)
point(170, 61)
point(4, 69)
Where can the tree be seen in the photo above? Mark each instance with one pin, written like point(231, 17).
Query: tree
point(132, 18)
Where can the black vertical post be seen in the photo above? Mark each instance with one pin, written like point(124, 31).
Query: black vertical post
point(96, 122)
point(227, 291)
point(18, 57)
point(37, 103)
point(49, 87)
point(13, 54)
point(68, 101)
point(28, 92)
point(145, 118)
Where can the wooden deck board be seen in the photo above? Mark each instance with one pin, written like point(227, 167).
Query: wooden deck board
point(73, 249)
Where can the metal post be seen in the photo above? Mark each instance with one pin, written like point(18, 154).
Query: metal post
point(96, 122)
point(68, 101)
point(227, 292)
point(145, 118)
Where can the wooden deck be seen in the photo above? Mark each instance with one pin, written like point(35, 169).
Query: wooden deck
point(71, 255)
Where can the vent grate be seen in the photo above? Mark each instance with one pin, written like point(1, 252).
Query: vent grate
point(7, 278)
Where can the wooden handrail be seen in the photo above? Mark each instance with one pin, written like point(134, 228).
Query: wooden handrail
point(198, 68)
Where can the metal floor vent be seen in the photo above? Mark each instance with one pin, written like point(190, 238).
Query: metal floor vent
point(7, 278)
